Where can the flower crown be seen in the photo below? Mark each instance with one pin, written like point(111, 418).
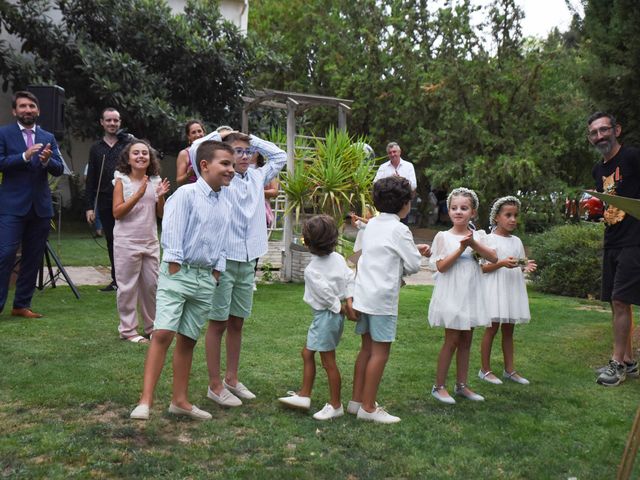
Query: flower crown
point(497, 205)
point(464, 192)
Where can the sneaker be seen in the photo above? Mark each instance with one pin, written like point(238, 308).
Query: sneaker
point(515, 377)
point(194, 413)
point(353, 407)
point(141, 412)
point(296, 401)
point(225, 399)
point(379, 415)
point(614, 374)
point(240, 391)
point(112, 287)
point(328, 412)
point(489, 377)
point(632, 369)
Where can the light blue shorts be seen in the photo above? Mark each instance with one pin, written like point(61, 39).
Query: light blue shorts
point(183, 300)
point(234, 294)
point(382, 328)
point(325, 331)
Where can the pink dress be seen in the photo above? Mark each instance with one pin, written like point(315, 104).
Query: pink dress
point(136, 253)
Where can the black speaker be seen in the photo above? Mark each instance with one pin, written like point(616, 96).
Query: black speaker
point(51, 99)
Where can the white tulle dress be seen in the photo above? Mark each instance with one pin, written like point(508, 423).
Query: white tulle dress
point(458, 300)
point(505, 289)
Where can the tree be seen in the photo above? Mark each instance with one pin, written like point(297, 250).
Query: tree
point(157, 68)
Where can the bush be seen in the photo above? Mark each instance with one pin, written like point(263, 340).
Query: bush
point(569, 260)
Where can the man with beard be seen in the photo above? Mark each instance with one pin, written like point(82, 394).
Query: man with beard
point(103, 158)
point(618, 174)
point(27, 155)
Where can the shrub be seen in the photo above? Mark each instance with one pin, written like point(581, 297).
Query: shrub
point(569, 260)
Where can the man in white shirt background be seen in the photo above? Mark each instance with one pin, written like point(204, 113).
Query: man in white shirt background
point(398, 167)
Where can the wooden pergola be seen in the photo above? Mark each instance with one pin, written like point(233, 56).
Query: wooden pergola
point(293, 103)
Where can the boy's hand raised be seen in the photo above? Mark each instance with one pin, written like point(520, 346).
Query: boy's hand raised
point(424, 249)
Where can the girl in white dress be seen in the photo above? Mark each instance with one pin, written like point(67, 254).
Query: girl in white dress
point(457, 303)
point(505, 290)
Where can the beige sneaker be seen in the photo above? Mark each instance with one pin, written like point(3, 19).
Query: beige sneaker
point(194, 413)
point(226, 398)
point(240, 391)
point(379, 415)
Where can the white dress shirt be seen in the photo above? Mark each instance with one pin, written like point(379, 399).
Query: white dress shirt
point(405, 169)
point(327, 281)
point(388, 253)
point(191, 214)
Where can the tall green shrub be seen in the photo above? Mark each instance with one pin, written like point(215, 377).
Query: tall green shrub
point(569, 260)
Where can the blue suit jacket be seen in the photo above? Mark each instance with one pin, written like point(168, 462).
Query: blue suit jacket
point(26, 183)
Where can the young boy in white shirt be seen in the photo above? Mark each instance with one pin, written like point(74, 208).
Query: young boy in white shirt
point(246, 242)
point(328, 282)
point(388, 253)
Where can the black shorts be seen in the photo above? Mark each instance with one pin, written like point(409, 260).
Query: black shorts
point(621, 275)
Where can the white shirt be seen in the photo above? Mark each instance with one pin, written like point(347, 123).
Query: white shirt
point(247, 238)
point(405, 169)
point(191, 214)
point(388, 253)
point(327, 281)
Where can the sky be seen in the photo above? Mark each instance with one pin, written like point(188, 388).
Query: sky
point(542, 15)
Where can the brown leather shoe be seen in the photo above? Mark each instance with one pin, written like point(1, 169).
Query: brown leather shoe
point(25, 312)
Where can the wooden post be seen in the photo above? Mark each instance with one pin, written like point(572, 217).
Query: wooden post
point(245, 121)
point(630, 450)
point(288, 220)
point(342, 116)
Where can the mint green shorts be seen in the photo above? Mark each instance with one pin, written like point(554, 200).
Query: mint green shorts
point(183, 300)
point(325, 331)
point(382, 328)
point(234, 294)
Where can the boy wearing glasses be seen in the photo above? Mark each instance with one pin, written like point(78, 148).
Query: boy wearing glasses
point(247, 240)
point(618, 174)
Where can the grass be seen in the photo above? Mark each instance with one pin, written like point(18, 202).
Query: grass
point(76, 246)
point(67, 385)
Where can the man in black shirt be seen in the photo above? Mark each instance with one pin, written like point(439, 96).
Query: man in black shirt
point(618, 174)
point(103, 158)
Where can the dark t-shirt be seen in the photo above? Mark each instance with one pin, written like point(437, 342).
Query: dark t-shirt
point(620, 176)
point(104, 190)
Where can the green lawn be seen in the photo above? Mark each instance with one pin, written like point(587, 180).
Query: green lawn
point(67, 385)
point(76, 246)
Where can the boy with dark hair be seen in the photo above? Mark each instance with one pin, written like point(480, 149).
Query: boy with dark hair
point(388, 253)
point(327, 283)
point(194, 231)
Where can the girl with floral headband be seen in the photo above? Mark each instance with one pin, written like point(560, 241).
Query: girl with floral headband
point(457, 303)
point(505, 290)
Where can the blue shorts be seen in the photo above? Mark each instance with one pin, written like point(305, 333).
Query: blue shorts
point(382, 328)
point(183, 299)
point(325, 331)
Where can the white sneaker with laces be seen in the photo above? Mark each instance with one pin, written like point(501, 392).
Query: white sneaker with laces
point(328, 412)
point(296, 401)
point(240, 391)
point(226, 398)
point(379, 415)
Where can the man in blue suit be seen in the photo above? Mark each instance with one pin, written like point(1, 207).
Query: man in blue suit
point(27, 155)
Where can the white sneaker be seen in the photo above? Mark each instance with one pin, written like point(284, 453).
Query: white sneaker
point(379, 415)
point(485, 376)
point(353, 407)
point(296, 401)
point(194, 413)
point(226, 398)
point(141, 412)
point(328, 412)
point(240, 391)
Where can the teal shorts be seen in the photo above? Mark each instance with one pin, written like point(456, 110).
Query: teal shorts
point(382, 328)
point(234, 294)
point(325, 331)
point(183, 300)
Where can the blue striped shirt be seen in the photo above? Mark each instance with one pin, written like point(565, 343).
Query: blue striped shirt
point(248, 225)
point(195, 226)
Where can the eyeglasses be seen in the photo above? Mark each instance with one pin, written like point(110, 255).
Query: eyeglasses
point(593, 134)
point(241, 152)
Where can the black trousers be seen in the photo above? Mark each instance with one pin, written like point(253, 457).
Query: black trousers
point(108, 222)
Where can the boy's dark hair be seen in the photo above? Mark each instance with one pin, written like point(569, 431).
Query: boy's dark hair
point(24, 94)
point(595, 116)
point(320, 234)
point(390, 194)
point(236, 137)
point(207, 151)
point(123, 161)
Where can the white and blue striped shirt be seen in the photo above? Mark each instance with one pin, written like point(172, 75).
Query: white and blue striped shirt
point(195, 226)
point(248, 225)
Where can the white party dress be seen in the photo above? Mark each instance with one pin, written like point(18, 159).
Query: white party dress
point(458, 300)
point(505, 289)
